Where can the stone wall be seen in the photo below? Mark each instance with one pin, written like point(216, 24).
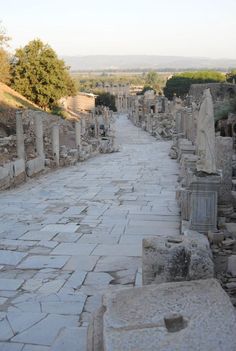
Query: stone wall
point(219, 91)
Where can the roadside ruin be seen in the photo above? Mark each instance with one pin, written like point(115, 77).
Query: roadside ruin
point(180, 305)
point(34, 141)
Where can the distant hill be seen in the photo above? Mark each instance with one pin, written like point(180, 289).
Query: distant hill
point(144, 62)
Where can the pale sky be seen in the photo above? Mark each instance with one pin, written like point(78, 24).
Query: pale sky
point(203, 28)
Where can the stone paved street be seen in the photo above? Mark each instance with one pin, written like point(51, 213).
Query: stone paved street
point(69, 235)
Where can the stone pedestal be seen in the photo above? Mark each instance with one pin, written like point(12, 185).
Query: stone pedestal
point(56, 144)
point(185, 147)
point(187, 162)
point(39, 135)
point(203, 202)
point(224, 152)
point(20, 142)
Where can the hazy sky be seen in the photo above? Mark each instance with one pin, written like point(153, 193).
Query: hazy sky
point(160, 27)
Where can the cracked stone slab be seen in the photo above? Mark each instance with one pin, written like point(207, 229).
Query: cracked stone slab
point(113, 264)
point(12, 258)
point(45, 331)
point(38, 262)
point(38, 235)
point(95, 278)
point(73, 249)
point(21, 321)
point(134, 250)
point(6, 346)
point(61, 228)
point(35, 348)
point(81, 263)
point(71, 339)
point(76, 280)
point(11, 284)
point(63, 307)
point(5, 329)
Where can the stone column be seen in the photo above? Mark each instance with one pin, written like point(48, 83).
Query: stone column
point(83, 125)
point(224, 153)
point(78, 134)
point(39, 135)
point(148, 126)
point(20, 142)
point(96, 125)
point(56, 144)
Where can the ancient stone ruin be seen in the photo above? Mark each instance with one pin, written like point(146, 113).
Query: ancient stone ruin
point(181, 305)
point(130, 251)
point(36, 142)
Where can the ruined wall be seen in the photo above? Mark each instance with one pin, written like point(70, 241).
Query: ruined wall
point(219, 91)
point(39, 141)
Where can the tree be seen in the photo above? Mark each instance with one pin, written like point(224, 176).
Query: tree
point(153, 80)
point(4, 57)
point(179, 84)
point(106, 99)
point(231, 76)
point(146, 88)
point(40, 76)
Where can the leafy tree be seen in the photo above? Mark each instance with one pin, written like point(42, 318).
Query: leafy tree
point(180, 83)
point(39, 75)
point(106, 99)
point(146, 88)
point(4, 57)
point(231, 76)
point(153, 79)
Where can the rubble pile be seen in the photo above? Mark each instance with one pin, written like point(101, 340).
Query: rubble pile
point(223, 245)
point(163, 125)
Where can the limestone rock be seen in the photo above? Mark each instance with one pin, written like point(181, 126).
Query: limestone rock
point(232, 265)
point(186, 257)
point(182, 316)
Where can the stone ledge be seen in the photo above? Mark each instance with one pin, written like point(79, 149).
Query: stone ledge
point(182, 316)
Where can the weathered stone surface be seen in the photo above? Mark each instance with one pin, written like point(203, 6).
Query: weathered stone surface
point(224, 152)
point(231, 227)
point(71, 339)
point(186, 257)
point(203, 202)
point(232, 265)
point(11, 257)
point(182, 316)
point(35, 166)
point(206, 135)
point(89, 207)
point(38, 262)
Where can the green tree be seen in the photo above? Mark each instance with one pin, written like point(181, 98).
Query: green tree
point(180, 83)
point(231, 76)
point(153, 80)
point(146, 88)
point(106, 99)
point(40, 76)
point(4, 56)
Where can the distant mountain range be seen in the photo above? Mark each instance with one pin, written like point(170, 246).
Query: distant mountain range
point(145, 62)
